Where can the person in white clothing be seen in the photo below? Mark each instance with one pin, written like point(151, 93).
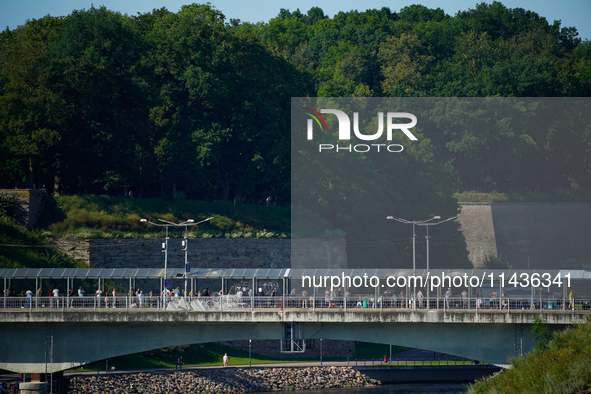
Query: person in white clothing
point(56, 294)
point(29, 297)
point(420, 299)
point(98, 293)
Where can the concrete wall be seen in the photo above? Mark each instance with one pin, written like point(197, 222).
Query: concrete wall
point(544, 236)
point(529, 235)
point(478, 228)
point(29, 204)
point(318, 253)
point(271, 348)
point(427, 373)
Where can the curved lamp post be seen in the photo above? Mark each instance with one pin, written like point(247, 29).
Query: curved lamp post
point(414, 223)
point(167, 224)
point(427, 238)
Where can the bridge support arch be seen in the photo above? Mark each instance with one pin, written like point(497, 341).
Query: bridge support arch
point(82, 337)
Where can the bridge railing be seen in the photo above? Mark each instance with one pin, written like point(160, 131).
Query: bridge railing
point(351, 304)
point(355, 303)
point(80, 302)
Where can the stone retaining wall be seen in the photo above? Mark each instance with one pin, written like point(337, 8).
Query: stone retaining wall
point(202, 252)
point(207, 253)
point(29, 204)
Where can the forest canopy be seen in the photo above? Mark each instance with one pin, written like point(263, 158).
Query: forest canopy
point(188, 104)
point(191, 105)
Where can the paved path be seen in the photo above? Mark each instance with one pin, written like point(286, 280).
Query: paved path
point(400, 358)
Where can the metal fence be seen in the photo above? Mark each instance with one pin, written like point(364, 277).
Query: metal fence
point(235, 302)
point(356, 303)
point(65, 303)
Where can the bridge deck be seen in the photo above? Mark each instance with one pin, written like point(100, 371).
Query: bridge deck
point(293, 315)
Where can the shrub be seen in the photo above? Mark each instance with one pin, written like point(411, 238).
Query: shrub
point(7, 205)
point(119, 217)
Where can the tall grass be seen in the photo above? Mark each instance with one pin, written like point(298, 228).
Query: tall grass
point(119, 217)
point(554, 196)
point(563, 367)
point(23, 249)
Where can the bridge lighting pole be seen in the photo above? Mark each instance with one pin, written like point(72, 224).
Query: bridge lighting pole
point(414, 223)
point(427, 238)
point(185, 244)
point(167, 224)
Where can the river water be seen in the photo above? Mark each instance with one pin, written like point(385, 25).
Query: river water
point(394, 389)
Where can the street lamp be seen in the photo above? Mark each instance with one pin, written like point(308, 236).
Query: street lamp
point(167, 224)
point(427, 238)
point(413, 222)
point(185, 246)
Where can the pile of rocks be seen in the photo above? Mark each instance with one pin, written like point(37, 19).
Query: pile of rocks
point(218, 381)
point(309, 378)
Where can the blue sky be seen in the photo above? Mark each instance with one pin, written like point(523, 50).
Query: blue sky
point(14, 13)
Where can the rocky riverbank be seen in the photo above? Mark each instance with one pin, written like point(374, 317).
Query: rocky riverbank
point(222, 381)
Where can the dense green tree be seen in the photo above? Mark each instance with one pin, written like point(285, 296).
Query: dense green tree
point(144, 23)
point(184, 55)
point(420, 14)
point(27, 127)
point(185, 103)
point(345, 72)
point(92, 67)
point(222, 110)
point(245, 138)
point(582, 64)
point(405, 63)
point(285, 33)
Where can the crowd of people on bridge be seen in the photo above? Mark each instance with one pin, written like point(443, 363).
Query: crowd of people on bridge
point(338, 298)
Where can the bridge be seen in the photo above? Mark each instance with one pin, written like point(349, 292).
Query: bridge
point(48, 334)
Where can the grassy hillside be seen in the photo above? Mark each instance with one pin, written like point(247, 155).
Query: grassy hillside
point(556, 196)
point(92, 216)
point(564, 366)
point(22, 249)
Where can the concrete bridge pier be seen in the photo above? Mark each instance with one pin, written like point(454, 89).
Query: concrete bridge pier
point(33, 388)
point(39, 384)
